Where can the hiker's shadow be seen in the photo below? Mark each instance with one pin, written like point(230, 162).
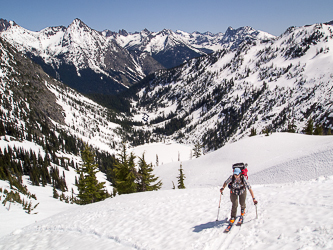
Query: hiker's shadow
point(199, 228)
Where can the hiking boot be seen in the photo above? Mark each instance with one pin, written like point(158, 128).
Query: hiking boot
point(242, 212)
point(232, 220)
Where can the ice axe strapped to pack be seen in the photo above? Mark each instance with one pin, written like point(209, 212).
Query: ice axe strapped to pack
point(242, 167)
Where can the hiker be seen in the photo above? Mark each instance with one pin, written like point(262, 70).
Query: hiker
point(238, 184)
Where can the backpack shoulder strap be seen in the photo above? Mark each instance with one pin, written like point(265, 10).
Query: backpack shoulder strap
point(242, 177)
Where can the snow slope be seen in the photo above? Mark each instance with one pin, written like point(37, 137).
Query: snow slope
point(291, 214)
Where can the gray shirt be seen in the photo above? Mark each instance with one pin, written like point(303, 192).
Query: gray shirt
point(239, 185)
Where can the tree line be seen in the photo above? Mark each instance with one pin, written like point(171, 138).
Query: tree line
point(128, 177)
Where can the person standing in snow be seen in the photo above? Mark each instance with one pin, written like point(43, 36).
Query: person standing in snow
point(238, 184)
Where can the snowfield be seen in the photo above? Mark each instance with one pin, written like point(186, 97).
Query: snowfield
point(291, 176)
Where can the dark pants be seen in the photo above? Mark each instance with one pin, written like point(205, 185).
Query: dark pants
point(234, 199)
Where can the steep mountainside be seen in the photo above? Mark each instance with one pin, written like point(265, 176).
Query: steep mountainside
point(274, 85)
point(24, 95)
point(43, 126)
point(31, 99)
point(81, 57)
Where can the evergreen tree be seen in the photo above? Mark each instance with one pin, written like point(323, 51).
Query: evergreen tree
point(197, 150)
point(309, 127)
point(157, 161)
point(318, 130)
point(292, 127)
point(266, 131)
point(2, 129)
point(253, 132)
point(90, 190)
point(55, 193)
point(146, 178)
point(125, 173)
point(181, 178)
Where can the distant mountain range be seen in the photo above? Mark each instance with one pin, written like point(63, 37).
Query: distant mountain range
point(174, 48)
point(108, 62)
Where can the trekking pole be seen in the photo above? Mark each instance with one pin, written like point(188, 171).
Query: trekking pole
point(256, 212)
point(218, 211)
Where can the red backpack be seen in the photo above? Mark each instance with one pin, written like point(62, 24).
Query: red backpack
point(242, 167)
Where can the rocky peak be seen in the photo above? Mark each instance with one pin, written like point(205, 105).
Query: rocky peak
point(4, 24)
point(145, 32)
point(166, 32)
point(108, 33)
point(123, 32)
point(330, 22)
point(243, 30)
point(78, 23)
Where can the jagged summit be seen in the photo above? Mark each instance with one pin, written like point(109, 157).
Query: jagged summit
point(166, 32)
point(231, 31)
point(123, 32)
point(78, 22)
point(4, 24)
point(330, 22)
point(145, 31)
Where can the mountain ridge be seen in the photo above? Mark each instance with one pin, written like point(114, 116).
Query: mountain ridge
point(108, 62)
point(200, 43)
point(80, 57)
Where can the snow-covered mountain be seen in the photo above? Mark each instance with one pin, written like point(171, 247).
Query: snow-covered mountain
point(272, 85)
point(107, 62)
point(81, 57)
point(173, 48)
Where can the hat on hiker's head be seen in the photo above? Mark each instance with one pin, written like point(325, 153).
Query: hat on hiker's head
point(237, 171)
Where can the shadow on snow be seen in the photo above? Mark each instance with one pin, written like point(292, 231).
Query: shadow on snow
point(208, 225)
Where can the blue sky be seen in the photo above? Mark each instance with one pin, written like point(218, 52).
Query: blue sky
point(272, 16)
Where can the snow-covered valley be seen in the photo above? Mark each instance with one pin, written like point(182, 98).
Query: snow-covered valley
point(290, 174)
